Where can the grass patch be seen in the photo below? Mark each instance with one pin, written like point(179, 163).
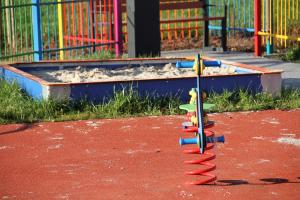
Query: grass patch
point(98, 55)
point(242, 100)
point(292, 54)
point(17, 107)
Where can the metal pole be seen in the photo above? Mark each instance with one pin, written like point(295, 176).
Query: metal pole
point(206, 23)
point(268, 26)
point(92, 22)
point(118, 27)
point(257, 27)
point(224, 35)
point(60, 29)
point(37, 35)
point(8, 25)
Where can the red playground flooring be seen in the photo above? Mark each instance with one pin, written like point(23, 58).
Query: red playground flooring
point(140, 158)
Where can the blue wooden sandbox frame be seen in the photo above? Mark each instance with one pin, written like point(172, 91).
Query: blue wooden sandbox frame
point(253, 78)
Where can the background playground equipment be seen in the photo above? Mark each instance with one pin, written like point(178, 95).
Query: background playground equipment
point(203, 137)
point(277, 24)
point(60, 29)
point(98, 23)
point(168, 25)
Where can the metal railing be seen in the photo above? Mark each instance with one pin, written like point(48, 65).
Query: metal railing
point(277, 24)
point(66, 29)
point(46, 29)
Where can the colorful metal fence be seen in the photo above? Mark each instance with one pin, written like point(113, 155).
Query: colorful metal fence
point(277, 24)
point(16, 38)
point(94, 24)
point(239, 17)
point(55, 29)
point(61, 29)
point(180, 18)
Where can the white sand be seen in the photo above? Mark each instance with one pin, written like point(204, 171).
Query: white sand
point(83, 74)
point(289, 140)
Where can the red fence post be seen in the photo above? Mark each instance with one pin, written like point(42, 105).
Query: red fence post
point(257, 27)
point(118, 27)
point(92, 14)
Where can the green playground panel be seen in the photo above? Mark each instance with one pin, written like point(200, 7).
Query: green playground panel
point(192, 107)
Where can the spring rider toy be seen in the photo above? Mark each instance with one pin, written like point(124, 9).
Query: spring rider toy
point(198, 124)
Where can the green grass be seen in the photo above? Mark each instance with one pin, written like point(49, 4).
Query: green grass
point(17, 107)
point(292, 54)
point(101, 54)
point(242, 100)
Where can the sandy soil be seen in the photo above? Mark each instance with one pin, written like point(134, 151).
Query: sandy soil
point(83, 74)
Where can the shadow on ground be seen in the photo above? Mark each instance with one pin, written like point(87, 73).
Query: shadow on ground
point(23, 127)
point(264, 181)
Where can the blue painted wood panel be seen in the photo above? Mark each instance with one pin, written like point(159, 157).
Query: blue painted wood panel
point(32, 88)
point(97, 92)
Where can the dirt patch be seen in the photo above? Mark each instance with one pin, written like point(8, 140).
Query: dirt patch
point(244, 44)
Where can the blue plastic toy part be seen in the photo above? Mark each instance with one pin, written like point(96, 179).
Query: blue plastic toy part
point(185, 64)
point(211, 63)
point(189, 64)
point(184, 141)
point(195, 140)
point(215, 139)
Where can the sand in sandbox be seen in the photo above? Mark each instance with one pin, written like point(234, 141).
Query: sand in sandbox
point(83, 74)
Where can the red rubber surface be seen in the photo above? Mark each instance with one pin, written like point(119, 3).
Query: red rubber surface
point(140, 158)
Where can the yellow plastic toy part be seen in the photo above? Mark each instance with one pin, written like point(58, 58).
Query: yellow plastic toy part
point(194, 120)
point(196, 63)
point(193, 95)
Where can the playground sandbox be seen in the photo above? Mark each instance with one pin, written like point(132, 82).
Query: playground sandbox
point(95, 80)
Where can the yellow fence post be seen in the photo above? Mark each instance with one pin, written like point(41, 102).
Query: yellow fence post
point(60, 29)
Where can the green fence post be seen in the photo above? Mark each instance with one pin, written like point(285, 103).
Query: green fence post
point(37, 31)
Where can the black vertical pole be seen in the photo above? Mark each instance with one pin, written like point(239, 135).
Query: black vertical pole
point(224, 32)
point(206, 22)
point(143, 28)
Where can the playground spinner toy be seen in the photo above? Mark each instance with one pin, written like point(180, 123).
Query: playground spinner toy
point(204, 139)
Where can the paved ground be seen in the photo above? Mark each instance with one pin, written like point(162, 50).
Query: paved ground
point(139, 158)
point(291, 75)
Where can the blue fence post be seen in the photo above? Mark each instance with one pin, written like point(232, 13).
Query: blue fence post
point(37, 31)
